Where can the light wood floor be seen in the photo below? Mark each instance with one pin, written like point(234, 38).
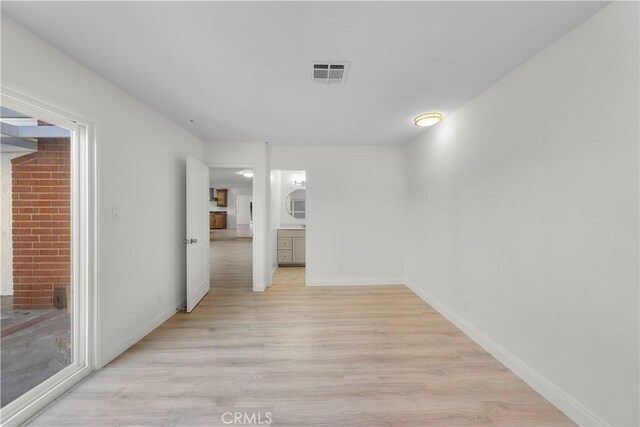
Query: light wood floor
point(242, 231)
point(334, 356)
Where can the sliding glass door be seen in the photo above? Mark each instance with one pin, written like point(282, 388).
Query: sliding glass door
point(45, 257)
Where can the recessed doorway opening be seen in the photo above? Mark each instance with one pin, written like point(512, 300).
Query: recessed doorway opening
point(231, 227)
point(289, 227)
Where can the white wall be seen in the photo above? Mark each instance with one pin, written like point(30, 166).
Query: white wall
point(522, 219)
point(354, 207)
point(232, 192)
point(254, 156)
point(6, 242)
point(141, 169)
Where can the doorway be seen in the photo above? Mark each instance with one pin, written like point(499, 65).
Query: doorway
point(289, 227)
point(46, 216)
point(244, 210)
point(231, 228)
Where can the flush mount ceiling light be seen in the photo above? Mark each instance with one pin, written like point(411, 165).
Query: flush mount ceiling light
point(247, 174)
point(427, 119)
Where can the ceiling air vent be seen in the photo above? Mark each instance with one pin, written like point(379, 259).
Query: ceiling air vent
point(329, 72)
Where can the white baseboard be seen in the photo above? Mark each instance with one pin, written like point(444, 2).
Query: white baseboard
point(354, 281)
point(554, 394)
point(117, 349)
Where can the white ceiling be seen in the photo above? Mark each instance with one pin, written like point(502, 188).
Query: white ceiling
point(221, 177)
point(241, 70)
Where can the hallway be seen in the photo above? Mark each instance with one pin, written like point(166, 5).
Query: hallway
point(231, 266)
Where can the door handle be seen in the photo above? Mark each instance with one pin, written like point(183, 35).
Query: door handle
point(189, 241)
point(194, 241)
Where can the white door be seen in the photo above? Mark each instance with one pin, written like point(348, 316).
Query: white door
point(197, 239)
point(243, 210)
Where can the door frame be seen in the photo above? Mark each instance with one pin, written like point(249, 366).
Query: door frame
point(84, 239)
point(257, 225)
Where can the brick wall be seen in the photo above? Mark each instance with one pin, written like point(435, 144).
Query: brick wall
point(41, 223)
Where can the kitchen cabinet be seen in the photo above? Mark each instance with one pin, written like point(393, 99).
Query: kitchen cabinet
point(221, 198)
point(218, 220)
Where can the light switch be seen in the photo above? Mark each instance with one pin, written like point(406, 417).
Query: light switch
point(115, 212)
